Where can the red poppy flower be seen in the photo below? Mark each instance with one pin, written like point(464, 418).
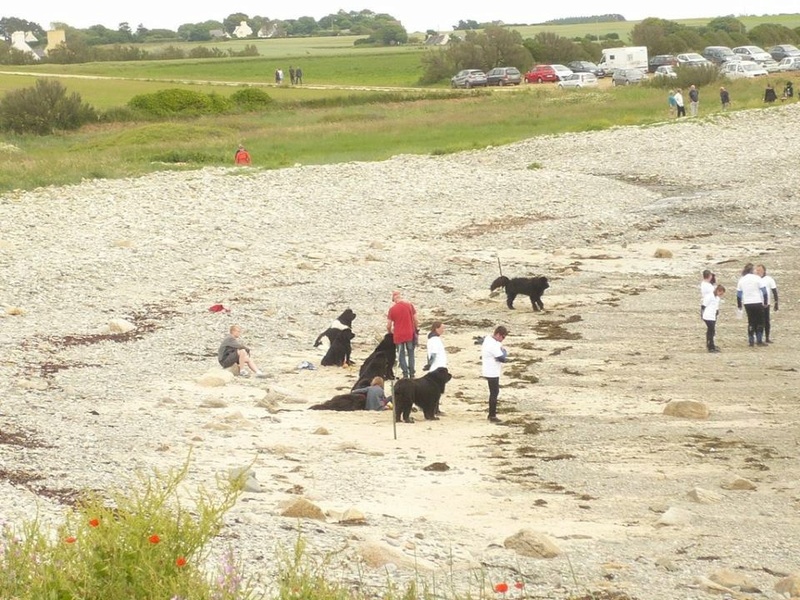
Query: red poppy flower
point(519, 585)
point(154, 539)
point(94, 522)
point(180, 561)
point(501, 588)
point(71, 539)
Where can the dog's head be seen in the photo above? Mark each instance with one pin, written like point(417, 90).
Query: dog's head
point(543, 283)
point(440, 376)
point(347, 317)
point(501, 281)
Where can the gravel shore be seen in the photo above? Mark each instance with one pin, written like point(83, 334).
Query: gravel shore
point(622, 222)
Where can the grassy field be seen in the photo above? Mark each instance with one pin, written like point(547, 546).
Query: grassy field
point(288, 134)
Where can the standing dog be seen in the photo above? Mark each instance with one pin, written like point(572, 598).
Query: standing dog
point(527, 286)
point(424, 392)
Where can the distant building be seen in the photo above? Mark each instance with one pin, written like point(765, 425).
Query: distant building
point(19, 41)
point(437, 39)
point(55, 37)
point(217, 34)
point(242, 31)
point(268, 30)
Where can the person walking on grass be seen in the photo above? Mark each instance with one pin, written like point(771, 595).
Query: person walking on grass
point(681, 108)
point(493, 355)
point(724, 98)
point(242, 157)
point(710, 313)
point(772, 292)
point(671, 103)
point(752, 295)
point(694, 100)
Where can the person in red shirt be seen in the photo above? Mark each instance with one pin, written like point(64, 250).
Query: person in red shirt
point(402, 324)
point(242, 156)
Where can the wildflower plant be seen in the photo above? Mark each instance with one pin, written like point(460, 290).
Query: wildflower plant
point(140, 543)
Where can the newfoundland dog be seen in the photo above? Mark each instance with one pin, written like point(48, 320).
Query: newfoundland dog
point(424, 392)
point(343, 402)
point(527, 286)
point(344, 321)
point(339, 352)
point(378, 364)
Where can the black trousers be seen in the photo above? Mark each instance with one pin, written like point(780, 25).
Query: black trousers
point(766, 323)
point(494, 392)
point(711, 328)
point(755, 322)
point(681, 111)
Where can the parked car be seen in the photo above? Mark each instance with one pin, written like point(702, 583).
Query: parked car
point(627, 76)
point(666, 71)
point(752, 53)
point(469, 78)
point(540, 74)
point(719, 55)
point(770, 65)
point(561, 71)
point(790, 63)
point(504, 76)
point(781, 51)
point(659, 60)
point(692, 59)
point(578, 80)
point(739, 69)
point(584, 66)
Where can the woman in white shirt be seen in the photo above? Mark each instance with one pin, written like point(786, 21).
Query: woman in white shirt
point(751, 293)
point(437, 356)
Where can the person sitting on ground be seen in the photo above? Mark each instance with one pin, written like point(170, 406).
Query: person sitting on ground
point(233, 352)
point(769, 94)
point(376, 397)
point(788, 91)
point(242, 156)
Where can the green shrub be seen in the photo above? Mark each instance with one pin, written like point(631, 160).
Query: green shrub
point(43, 109)
point(188, 157)
point(251, 98)
point(142, 543)
point(172, 102)
point(697, 76)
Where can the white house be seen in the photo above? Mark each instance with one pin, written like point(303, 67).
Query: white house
point(243, 30)
point(19, 41)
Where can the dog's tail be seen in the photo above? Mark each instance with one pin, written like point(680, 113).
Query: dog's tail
point(501, 281)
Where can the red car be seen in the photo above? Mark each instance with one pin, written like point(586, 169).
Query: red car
point(540, 74)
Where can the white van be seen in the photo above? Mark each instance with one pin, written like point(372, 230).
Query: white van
point(630, 57)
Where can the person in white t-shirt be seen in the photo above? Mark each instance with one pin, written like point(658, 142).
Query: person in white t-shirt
point(772, 293)
point(437, 356)
point(706, 288)
point(751, 293)
point(493, 355)
point(710, 314)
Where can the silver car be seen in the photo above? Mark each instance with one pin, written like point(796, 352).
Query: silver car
point(627, 76)
point(469, 78)
point(790, 63)
point(578, 80)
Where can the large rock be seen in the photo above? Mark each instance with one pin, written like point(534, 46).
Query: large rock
point(733, 579)
point(120, 326)
point(686, 409)
point(215, 377)
point(303, 509)
point(789, 585)
point(738, 483)
point(675, 517)
point(380, 555)
point(532, 543)
point(702, 496)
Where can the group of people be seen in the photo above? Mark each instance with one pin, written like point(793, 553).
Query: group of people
point(677, 104)
point(295, 75)
point(677, 107)
point(756, 293)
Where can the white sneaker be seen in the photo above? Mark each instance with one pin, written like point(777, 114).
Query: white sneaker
point(244, 373)
point(261, 375)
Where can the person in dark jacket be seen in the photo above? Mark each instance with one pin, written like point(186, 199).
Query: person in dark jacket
point(769, 94)
point(724, 98)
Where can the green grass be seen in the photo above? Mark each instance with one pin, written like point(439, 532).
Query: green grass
point(289, 133)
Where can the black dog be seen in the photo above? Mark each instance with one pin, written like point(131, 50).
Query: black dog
point(424, 392)
point(344, 321)
point(527, 286)
point(343, 402)
point(339, 352)
point(378, 364)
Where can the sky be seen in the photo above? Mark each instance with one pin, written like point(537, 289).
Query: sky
point(415, 15)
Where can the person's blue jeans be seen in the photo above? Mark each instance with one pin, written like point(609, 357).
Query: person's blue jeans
point(405, 356)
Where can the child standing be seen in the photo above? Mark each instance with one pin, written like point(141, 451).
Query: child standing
point(376, 398)
point(710, 313)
